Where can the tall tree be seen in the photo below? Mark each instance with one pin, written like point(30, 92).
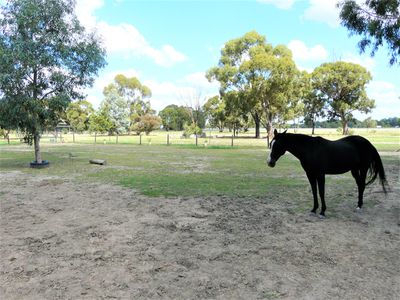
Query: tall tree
point(174, 117)
point(314, 106)
point(262, 77)
point(215, 109)
point(116, 108)
point(342, 86)
point(135, 94)
point(377, 21)
point(231, 78)
point(46, 60)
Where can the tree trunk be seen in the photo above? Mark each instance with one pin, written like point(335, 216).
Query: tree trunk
point(257, 122)
point(345, 127)
point(269, 131)
point(38, 154)
point(73, 136)
point(313, 127)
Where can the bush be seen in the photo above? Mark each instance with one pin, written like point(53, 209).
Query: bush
point(191, 129)
point(147, 124)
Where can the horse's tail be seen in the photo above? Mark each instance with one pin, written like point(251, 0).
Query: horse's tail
point(376, 169)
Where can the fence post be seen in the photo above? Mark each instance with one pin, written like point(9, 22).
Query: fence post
point(232, 141)
point(167, 139)
point(140, 139)
point(196, 139)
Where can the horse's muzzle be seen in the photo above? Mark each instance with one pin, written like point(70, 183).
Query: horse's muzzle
point(271, 163)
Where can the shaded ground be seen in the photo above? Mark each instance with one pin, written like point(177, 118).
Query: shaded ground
point(60, 240)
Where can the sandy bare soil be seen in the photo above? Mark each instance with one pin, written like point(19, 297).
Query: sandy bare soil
point(63, 240)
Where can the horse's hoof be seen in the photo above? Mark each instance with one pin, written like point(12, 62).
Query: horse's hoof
point(322, 217)
point(359, 209)
point(312, 214)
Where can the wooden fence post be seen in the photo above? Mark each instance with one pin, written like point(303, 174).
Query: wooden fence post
point(232, 141)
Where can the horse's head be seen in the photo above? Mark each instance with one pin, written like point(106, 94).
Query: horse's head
point(278, 148)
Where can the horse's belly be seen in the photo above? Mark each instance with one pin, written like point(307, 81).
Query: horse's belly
point(339, 167)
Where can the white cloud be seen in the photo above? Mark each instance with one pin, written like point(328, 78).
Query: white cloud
point(324, 11)
point(186, 91)
point(84, 10)
point(282, 4)
point(366, 61)
point(386, 96)
point(182, 92)
point(124, 39)
point(303, 53)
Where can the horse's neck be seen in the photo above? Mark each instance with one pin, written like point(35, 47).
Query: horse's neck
point(298, 145)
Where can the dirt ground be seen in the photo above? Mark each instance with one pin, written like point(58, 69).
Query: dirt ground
point(63, 240)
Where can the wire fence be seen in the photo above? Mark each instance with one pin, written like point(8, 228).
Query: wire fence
point(213, 139)
point(209, 139)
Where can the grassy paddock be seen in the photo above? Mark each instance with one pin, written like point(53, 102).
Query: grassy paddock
point(184, 171)
point(384, 139)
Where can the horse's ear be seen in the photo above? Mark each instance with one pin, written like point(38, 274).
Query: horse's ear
point(275, 132)
point(285, 131)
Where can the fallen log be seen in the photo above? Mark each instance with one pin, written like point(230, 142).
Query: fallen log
point(98, 161)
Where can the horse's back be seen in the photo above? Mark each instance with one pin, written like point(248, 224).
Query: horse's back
point(343, 155)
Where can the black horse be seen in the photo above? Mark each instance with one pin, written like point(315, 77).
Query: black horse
point(319, 156)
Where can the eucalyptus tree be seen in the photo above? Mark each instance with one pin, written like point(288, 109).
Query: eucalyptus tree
point(262, 77)
point(135, 94)
point(276, 83)
point(314, 106)
point(233, 80)
point(342, 86)
point(174, 117)
point(377, 21)
point(215, 109)
point(47, 59)
point(78, 114)
point(99, 122)
point(116, 108)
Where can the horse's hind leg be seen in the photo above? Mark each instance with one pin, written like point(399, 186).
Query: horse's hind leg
point(359, 176)
point(321, 188)
point(313, 182)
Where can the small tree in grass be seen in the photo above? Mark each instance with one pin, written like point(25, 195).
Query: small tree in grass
point(147, 124)
point(99, 123)
point(46, 59)
point(78, 114)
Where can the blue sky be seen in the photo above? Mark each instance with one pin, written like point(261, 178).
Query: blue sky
point(169, 45)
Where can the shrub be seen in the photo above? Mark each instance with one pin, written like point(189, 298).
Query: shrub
point(191, 129)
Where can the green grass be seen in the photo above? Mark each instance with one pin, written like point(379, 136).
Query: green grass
point(384, 139)
point(172, 170)
point(188, 171)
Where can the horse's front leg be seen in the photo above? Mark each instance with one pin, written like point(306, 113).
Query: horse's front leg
point(321, 188)
point(313, 182)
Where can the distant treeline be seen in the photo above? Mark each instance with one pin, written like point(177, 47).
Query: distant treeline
point(367, 123)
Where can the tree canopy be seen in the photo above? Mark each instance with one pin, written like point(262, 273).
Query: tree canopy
point(174, 117)
point(46, 60)
point(260, 79)
point(342, 86)
point(376, 21)
point(125, 102)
